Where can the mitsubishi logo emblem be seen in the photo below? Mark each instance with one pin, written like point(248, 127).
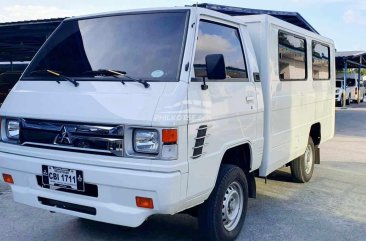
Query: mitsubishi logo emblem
point(80, 179)
point(63, 138)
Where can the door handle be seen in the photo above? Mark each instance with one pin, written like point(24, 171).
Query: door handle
point(250, 98)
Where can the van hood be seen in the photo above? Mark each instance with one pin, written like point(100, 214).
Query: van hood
point(91, 102)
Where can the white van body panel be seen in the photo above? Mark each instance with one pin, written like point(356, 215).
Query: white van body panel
point(113, 101)
point(291, 107)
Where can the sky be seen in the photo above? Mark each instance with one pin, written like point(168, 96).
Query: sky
point(344, 21)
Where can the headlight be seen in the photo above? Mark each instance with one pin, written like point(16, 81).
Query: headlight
point(146, 141)
point(337, 90)
point(12, 129)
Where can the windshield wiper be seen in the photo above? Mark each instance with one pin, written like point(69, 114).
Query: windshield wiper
point(54, 73)
point(119, 74)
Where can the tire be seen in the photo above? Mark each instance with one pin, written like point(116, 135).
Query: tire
point(348, 101)
point(214, 214)
point(302, 168)
point(340, 103)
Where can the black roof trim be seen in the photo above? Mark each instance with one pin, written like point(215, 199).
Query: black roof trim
point(290, 17)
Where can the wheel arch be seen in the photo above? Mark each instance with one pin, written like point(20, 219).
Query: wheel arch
point(315, 133)
point(241, 156)
point(316, 136)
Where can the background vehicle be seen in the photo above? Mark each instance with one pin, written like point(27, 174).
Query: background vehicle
point(362, 88)
point(126, 115)
point(339, 93)
point(352, 84)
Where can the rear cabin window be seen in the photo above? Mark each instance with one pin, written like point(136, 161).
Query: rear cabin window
point(220, 39)
point(321, 62)
point(292, 57)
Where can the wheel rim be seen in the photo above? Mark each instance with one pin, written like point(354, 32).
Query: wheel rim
point(309, 159)
point(232, 206)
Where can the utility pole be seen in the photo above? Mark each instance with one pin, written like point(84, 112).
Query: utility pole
point(345, 83)
point(359, 80)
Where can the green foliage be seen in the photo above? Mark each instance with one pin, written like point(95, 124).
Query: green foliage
point(363, 71)
point(352, 71)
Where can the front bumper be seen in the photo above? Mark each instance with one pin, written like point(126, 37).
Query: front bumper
point(117, 190)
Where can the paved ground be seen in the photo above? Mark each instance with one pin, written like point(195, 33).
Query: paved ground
point(331, 207)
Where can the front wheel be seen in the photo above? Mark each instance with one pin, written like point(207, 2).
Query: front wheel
point(302, 168)
point(222, 215)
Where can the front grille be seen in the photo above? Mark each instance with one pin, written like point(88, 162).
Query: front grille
point(70, 136)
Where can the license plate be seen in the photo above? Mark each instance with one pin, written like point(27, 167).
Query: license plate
point(63, 178)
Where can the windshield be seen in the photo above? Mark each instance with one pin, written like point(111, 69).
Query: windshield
point(351, 82)
point(339, 84)
point(145, 45)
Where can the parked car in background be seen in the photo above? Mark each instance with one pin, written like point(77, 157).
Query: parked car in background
point(357, 94)
point(340, 95)
point(363, 88)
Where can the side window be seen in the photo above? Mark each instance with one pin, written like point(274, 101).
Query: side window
point(292, 57)
point(220, 39)
point(321, 61)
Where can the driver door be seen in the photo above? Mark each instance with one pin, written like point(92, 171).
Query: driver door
point(225, 113)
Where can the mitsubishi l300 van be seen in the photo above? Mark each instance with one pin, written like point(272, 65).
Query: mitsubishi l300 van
point(124, 115)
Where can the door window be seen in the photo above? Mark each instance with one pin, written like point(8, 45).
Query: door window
point(214, 38)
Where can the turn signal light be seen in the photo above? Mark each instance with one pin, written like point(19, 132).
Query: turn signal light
point(144, 202)
point(170, 136)
point(8, 178)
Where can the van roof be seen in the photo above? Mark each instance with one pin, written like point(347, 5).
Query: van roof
point(291, 17)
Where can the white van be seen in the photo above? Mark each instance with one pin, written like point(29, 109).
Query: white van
point(125, 115)
point(352, 86)
point(340, 96)
point(362, 88)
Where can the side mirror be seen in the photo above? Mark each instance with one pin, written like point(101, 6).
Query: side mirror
point(215, 66)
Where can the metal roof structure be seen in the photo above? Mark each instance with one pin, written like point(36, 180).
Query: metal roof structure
point(354, 59)
point(290, 17)
point(20, 41)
